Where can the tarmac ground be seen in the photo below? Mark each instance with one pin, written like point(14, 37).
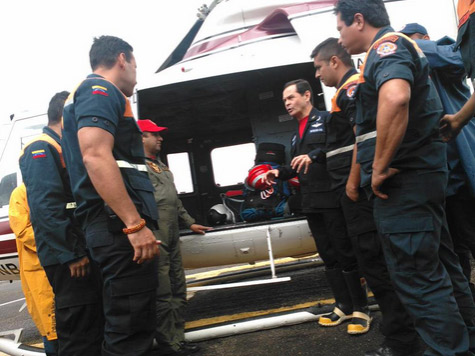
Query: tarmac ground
point(207, 309)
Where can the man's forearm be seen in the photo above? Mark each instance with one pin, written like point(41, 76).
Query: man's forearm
point(466, 112)
point(354, 177)
point(286, 172)
point(391, 121)
point(107, 180)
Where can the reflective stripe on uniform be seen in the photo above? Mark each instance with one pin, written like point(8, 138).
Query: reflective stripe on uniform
point(365, 137)
point(125, 164)
point(48, 139)
point(71, 205)
point(340, 150)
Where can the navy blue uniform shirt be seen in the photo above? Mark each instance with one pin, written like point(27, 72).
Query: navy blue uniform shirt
point(340, 135)
point(315, 185)
point(396, 57)
point(99, 103)
point(58, 237)
point(448, 75)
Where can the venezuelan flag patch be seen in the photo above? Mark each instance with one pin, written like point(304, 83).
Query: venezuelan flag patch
point(99, 90)
point(38, 154)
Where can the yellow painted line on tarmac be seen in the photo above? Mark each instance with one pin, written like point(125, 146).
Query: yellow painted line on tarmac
point(240, 316)
point(218, 272)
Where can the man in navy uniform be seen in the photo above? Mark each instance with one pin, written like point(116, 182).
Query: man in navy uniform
point(452, 124)
point(60, 241)
point(403, 164)
point(104, 156)
point(448, 75)
point(334, 68)
point(321, 205)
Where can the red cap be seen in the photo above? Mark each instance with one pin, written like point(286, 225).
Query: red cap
point(150, 126)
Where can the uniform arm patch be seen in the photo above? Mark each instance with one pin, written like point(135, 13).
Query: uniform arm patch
point(386, 49)
point(38, 154)
point(99, 90)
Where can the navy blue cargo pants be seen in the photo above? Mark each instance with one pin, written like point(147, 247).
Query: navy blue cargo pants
point(397, 326)
point(129, 291)
point(425, 271)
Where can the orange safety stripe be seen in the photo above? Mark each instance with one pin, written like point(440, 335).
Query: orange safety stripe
point(350, 81)
point(464, 9)
point(51, 141)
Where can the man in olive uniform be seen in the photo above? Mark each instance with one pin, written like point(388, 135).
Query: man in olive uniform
point(334, 68)
point(171, 292)
point(403, 164)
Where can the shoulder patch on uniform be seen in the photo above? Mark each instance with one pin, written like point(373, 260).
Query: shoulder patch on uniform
point(99, 90)
point(386, 49)
point(154, 167)
point(350, 91)
point(392, 38)
point(38, 154)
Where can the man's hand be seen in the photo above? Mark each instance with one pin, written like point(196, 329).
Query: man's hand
point(270, 176)
point(80, 268)
point(449, 127)
point(200, 229)
point(352, 192)
point(378, 178)
point(299, 162)
point(144, 244)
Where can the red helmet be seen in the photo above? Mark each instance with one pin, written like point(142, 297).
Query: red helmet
point(255, 178)
point(294, 182)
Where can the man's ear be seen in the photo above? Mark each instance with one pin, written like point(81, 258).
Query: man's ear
point(121, 59)
point(334, 62)
point(359, 20)
point(308, 95)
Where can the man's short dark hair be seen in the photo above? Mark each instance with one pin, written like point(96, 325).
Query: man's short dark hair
point(302, 86)
point(55, 108)
point(373, 11)
point(329, 48)
point(106, 49)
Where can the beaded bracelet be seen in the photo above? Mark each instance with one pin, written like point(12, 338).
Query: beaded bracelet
point(134, 229)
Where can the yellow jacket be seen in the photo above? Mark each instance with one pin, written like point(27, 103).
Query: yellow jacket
point(35, 285)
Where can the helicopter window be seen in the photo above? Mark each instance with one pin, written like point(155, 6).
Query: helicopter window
point(179, 163)
point(232, 163)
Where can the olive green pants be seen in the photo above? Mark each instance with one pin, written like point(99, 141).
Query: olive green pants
point(171, 292)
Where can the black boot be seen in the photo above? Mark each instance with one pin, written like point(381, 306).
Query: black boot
point(343, 305)
point(361, 316)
